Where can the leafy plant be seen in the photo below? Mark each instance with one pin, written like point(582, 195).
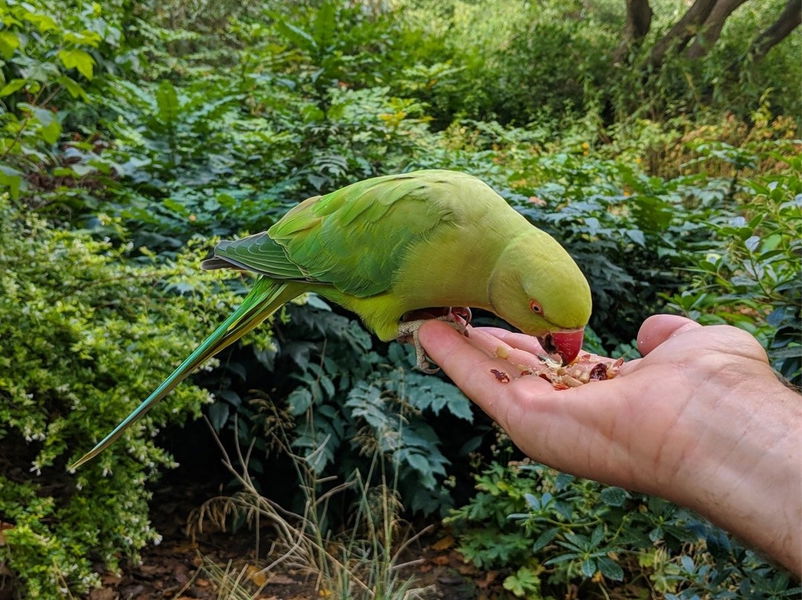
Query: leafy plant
point(549, 530)
point(348, 398)
point(631, 233)
point(49, 59)
point(753, 278)
point(80, 330)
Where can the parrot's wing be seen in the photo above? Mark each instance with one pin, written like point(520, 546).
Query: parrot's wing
point(354, 238)
point(257, 253)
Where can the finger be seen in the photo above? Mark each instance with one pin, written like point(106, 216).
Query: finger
point(658, 328)
point(482, 378)
point(521, 341)
point(530, 344)
point(522, 360)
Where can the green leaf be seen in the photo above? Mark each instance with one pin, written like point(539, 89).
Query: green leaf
point(610, 569)
point(614, 496)
point(12, 179)
point(562, 558)
point(588, 567)
point(597, 536)
point(51, 132)
point(9, 42)
point(656, 534)
point(419, 463)
point(231, 397)
point(11, 87)
point(218, 415)
point(43, 22)
point(312, 113)
point(316, 301)
point(296, 35)
point(78, 59)
point(325, 24)
point(51, 128)
point(636, 235)
point(544, 538)
point(75, 90)
point(428, 392)
point(167, 102)
point(789, 352)
point(532, 501)
point(524, 583)
point(299, 400)
point(84, 38)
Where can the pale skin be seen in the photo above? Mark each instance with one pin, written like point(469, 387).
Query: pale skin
point(701, 420)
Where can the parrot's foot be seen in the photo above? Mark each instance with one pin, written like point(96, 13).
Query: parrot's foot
point(458, 317)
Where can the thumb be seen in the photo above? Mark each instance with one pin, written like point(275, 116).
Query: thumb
point(658, 328)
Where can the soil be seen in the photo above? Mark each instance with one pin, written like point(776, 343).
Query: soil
point(180, 568)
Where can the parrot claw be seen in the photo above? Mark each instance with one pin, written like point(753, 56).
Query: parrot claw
point(408, 332)
point(425, 368)
point(457, 317)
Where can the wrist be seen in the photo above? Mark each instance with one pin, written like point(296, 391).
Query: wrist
point(742, 464)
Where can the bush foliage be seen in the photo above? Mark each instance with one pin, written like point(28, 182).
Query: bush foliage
point(83, 331)
point(549, 530)
point(132, 135)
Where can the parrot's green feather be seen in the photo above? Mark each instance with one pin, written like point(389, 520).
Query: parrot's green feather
point(266, 297)
point(256, 253)
point(333, 238)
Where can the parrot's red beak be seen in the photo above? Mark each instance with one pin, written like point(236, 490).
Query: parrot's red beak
point(565, 343)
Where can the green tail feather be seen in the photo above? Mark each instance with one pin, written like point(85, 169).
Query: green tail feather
point(265, 298)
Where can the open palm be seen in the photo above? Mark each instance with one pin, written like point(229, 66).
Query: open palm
point(701, 419)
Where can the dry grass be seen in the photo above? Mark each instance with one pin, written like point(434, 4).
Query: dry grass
point(361, 563)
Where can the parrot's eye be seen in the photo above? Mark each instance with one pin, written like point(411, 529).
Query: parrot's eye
point(535, 307)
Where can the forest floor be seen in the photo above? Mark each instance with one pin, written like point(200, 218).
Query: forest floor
point(218, 565)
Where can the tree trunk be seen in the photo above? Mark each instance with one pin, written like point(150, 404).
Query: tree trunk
point(639, 20)
point(711, 29)
point(789, 19)
point(682, 31)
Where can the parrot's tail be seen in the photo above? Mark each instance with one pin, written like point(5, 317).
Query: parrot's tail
point(264, 299)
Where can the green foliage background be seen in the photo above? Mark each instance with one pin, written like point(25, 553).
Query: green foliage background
point(132, 135)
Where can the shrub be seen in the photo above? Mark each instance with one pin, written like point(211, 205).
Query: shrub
point(85, 337)
point(752, 276)
point(550, 532)
point(357, 397)
point(341, 398)
point(50, 53)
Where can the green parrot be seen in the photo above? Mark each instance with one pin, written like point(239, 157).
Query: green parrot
point(387, 247)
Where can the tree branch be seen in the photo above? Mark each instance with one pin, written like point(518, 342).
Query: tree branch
point(788, 20)
point(682, 31)
point(711, 29)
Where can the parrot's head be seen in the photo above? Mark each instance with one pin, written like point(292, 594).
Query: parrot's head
point(537, 287)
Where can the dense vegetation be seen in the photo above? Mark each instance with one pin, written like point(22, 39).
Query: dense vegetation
point(134, 134)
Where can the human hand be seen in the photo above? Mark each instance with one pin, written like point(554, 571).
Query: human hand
point(700, 420)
